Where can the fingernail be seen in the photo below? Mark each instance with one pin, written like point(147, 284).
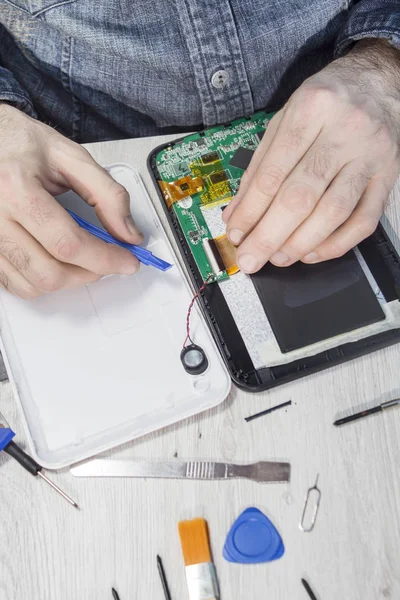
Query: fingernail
point(248, 264)
point(235, 236)
point(128, 269)
point(280, 258)
point(130, 223)
point(312, 257)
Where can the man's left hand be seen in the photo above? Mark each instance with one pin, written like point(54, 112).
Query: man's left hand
point(320, 179)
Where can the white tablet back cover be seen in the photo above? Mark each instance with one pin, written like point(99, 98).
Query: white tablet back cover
point(95, 367)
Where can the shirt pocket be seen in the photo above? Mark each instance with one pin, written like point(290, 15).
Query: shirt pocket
point(38, 7)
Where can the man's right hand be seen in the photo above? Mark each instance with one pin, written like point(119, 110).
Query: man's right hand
point(42, 249)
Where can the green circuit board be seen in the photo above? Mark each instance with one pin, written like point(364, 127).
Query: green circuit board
point(203, 171)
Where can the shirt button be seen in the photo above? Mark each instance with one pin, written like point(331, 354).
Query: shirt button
point(220, 79)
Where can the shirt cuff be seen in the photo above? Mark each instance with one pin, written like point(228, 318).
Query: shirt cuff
point(370, 19)
point(13, 93)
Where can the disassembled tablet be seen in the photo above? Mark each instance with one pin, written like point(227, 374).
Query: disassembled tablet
point(198, 178)
point(280, 323)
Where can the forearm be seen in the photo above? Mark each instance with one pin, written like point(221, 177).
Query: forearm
point(383, 58)
point(371, 70)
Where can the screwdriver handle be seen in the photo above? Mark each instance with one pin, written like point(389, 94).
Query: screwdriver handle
point(24, 460)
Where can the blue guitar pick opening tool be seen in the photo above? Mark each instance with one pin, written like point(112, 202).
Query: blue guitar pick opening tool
point(253, 539)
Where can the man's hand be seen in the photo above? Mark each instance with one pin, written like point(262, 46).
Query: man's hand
point(319, 181)
point(42, 249)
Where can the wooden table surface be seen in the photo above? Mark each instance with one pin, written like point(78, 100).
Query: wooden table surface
point(49, 551)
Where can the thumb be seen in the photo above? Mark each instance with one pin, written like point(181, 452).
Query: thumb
point(94, 185)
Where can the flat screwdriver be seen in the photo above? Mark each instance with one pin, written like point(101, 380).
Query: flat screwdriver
point(6, 444)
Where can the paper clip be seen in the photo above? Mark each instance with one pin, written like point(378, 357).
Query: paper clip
point(312, 490)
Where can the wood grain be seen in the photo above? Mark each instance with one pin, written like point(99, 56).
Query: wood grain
point(49, 551)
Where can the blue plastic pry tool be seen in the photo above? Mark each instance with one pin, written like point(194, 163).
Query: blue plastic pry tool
point(144, 256)
point(6, 435)
point(253, 539)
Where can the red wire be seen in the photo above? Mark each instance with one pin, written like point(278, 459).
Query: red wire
point(190, 310)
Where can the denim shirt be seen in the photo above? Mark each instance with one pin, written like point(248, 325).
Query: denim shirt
point(109, 69)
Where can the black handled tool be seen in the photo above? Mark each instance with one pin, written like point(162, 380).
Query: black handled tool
point(163, 578)
point(369, 411)
point(308, 589)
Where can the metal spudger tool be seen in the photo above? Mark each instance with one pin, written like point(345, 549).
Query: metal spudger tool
point(262, 472)
point(6, 444)
point(314, 490)
point(144, 256)
point(369, 411)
